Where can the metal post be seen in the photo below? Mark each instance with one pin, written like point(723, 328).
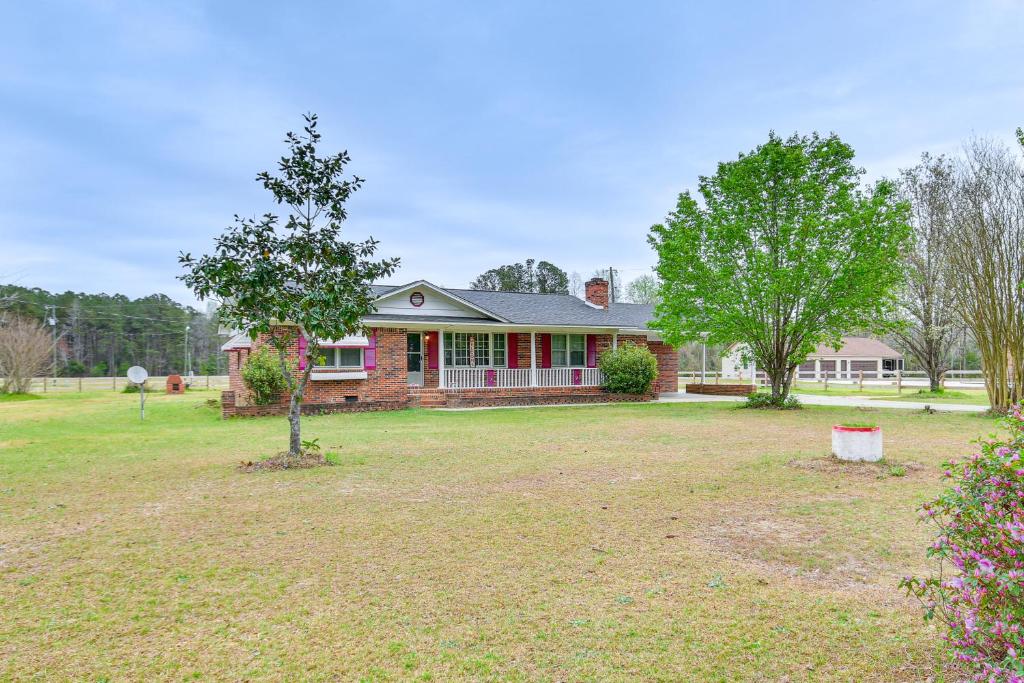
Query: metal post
point(703, 361)
point(79, 385)
point(142, 401)
point(899, 382)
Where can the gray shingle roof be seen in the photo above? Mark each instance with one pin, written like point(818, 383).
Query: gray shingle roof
point(543, 309)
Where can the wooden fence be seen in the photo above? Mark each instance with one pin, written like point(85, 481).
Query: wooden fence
point(44, 385)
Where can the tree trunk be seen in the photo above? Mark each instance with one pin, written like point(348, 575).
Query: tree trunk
point(934, 382)
point(295, 425)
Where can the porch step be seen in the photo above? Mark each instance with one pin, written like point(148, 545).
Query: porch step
point(427, 398)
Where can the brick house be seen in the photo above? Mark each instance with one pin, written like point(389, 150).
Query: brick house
point(432, 346)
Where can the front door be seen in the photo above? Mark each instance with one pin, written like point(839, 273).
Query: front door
point(414, 358)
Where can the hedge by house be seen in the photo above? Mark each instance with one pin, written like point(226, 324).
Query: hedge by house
point(262, 376)
point(628, 369)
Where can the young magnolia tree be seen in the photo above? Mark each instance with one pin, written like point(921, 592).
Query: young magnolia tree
point(296, 276)
point(927, 303)
point(785, 252)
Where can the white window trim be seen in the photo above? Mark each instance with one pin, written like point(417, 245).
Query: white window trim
point(469, 356)
point(568, 351)
point(362, 361)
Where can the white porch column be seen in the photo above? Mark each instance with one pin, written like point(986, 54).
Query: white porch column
point(817, 369)
point(533, 359)
point(615, 340)
point(441, 381)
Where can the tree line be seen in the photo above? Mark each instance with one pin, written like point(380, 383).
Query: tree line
point(103, 334)
point(544, 277)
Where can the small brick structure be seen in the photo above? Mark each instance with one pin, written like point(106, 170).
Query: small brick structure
point(721, 389)
point(175, 384)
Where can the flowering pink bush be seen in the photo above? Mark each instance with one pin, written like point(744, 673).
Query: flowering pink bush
point(981, 523)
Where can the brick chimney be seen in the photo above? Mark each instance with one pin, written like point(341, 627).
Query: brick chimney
point(597, 292)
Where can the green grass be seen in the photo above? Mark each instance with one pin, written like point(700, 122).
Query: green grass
point(11, 398)
point(966, 396)
point(657, 542)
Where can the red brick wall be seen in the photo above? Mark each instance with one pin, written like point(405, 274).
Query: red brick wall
point(386, 384)
point(668, 367)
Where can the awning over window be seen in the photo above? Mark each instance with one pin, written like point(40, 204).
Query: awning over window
point(352, 341)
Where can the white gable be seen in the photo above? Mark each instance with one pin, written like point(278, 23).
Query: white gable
point(430, 300)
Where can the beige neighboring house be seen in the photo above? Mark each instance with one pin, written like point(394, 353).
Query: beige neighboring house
point(857, 355)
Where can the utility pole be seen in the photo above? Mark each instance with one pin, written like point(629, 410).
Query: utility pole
point(51, 320)
point(188, 361)
point(611, 284)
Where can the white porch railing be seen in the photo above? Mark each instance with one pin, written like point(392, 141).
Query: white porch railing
point(503, 378)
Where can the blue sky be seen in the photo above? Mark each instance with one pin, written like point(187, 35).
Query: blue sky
point(487, 132)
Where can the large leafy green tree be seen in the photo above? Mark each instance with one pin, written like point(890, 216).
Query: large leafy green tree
point(785, 252)
point(542, 278)
point(299, 277)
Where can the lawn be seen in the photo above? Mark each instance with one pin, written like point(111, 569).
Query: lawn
point(661, 542)
point(976, 397)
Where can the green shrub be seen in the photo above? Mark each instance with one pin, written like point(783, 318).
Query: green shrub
point(629, 369)
point(764, 400)
point(133, 388)
point(263, 378)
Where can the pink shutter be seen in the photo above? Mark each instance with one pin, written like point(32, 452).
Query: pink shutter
point(370, 354)
point(591, 351)
point(431, 339)
point(545, 350)
point(302, 352)
point(512, 350)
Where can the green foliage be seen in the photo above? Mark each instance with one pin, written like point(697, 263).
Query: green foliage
point(112, 331)
point(765, 400)
point(301, 271)
point(311, 445)
point(265, 270)
point(133, 388)
point(976, 591)
point(784, 253)
point(262, 376)
point(629, 369)
point(545, 278)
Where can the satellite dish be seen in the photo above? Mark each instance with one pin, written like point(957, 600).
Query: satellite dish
point(137, 374)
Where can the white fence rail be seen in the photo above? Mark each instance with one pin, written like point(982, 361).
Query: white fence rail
point(74, 384)
point(502, 378)
point(958, 379)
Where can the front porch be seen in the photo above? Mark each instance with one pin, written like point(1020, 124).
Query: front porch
point(507, 378)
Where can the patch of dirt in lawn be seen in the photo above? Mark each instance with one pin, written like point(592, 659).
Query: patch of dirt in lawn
point(283, 461)
point(791, 549)
point(867, 470)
